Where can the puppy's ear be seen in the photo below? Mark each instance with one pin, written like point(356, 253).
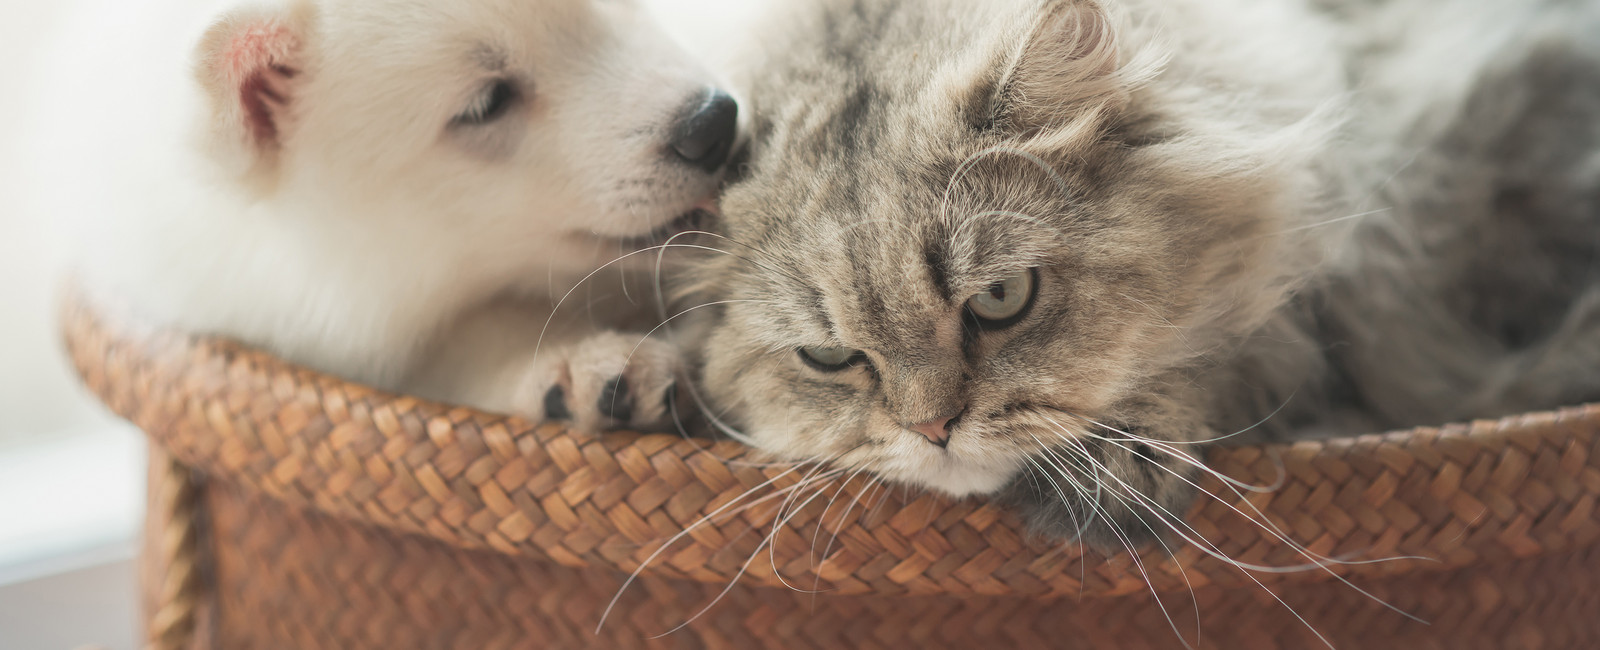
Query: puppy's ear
point(1067, 67)
point(250, 64)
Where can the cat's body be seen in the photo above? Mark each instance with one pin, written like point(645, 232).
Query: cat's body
point(1070, 243)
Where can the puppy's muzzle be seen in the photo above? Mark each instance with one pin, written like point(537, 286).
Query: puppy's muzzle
point(704, 134)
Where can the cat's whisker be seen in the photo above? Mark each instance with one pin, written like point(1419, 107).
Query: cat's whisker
point(661, 256)
point(779, 270)
point(1174, 522)
point(823, 517)
point(780, 521)
point(775, 463)
point(1067, 503)
point(715, 420)
point(1127, 544)
point(746, 565)
point(1318, 561)
point(872, 484)
point(1171, 447)
point(1327, 222)
point(538, 343)
point(1199, 542)
point(1061, 464)
point(1140, 498)
point(743, 568)
point(680, 534)
point(1202, 441)
point(629, 359)
point(1157, 510)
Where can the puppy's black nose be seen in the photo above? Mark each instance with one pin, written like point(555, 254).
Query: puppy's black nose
point(706, 132)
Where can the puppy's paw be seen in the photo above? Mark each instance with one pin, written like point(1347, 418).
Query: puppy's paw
point(609, 380)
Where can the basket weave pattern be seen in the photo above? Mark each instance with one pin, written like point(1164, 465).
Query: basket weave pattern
point(356, 513)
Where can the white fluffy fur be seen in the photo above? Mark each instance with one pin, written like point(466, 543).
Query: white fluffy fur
point(371, 239)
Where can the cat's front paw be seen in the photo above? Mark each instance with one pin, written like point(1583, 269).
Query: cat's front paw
point(609, 380)
point(1121, 488)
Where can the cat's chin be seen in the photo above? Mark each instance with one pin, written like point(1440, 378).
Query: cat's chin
point(950, 475)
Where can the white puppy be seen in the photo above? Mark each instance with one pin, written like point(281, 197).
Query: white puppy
point(396, 191)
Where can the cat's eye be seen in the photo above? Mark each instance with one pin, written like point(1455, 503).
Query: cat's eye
point(829, 359)
point(1004, 302)
point(489, 105)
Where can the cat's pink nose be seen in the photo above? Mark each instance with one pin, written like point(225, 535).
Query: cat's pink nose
point(937, 430)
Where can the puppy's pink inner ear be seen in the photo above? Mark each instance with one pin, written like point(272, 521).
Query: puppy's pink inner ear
point(262, 95)
point(256, 62)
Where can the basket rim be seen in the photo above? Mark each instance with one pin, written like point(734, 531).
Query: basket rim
point(1445, 497)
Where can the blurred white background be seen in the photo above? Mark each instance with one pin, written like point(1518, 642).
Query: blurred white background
point(38, 395)
point(70, 477)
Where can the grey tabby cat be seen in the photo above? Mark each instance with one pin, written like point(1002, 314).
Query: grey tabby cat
point(1051, 249)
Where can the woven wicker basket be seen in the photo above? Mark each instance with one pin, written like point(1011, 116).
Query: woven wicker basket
point(291, 510)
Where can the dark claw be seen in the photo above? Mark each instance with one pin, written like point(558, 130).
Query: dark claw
point(614, 400)
point(555, 404)
point(668, 397)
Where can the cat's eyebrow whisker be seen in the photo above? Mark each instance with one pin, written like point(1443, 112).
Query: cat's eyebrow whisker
point(966, 166)
point(955, 236)
point(1020, 216)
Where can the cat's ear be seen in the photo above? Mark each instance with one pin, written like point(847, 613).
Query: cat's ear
point(1067, 67)
point(250, 63)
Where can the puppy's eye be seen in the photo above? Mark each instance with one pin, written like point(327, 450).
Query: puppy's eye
point(489, 105)
point(1005, 302)
point(829, 359)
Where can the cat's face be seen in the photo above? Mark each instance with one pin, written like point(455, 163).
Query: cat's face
point(955, 248)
